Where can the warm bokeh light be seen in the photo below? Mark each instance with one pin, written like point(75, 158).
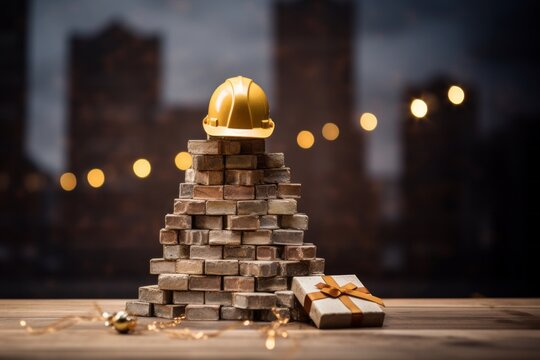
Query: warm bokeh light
point(456, 95)
point(68, 181)
point(183, 160)
point(330, 131)
point(305, 139)
point(142, 168)
point(419, 108)
point(368, 121)
point(95, 178)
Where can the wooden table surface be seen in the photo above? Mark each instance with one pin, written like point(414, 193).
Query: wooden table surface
point(414, 328)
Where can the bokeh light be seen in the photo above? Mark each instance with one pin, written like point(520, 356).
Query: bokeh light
point(419, 108)
point(456, 95)
point(95, 178)
point(305, 139)
point(330, 131)
point(68, 181)
point(142, 168)
point(368, 121)
point(183, 160)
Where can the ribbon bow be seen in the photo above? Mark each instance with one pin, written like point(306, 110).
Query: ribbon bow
point(330, 288)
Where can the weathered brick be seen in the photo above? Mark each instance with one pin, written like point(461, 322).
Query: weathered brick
point(190, 266)
point(207, 162)
point(188, 297)
point(204, 147)
point(242, 222)
point(258, 268)
point(204, 177)
point(252, 207)
point(204, 282)
point(173, 281)
point(243, 177)
point(221, 207)
point(275, 283)
point(316, 266)
point(225, 237)
point(285, 298)
point(208, 192)
point(266, 191)
point(259, 237)
point(230, 147)
point(293, 268)
point(299, 314)
point(221, 267)
point(154, 295)
point(270, 315)
point(270, 160)
point(237, 192)
point(186, 191)
point(193, 237)
point(296, 221)
point(218, 298)
point(206, 252)
point(241, 162)
point(287, 237)
point(282, 206)
point(239, 283)
point(232, 313)
point(168, 237)
point(173, 252)
point(189, 207)
point(268, 222)
point(173, 221)
point(299, 252)
point(251, 146)
point(161, 266)
point(289, 191)
point(245, 252)
point(202, 312)
point(254, 300)
point(265, 252)
point(168, 311)
point(211, 222)
point(139, 308)
point(277, 176)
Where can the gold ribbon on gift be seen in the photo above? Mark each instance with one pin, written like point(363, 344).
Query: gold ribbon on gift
point(330, 288)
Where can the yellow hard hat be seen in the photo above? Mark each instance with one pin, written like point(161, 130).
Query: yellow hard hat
point(238, 108)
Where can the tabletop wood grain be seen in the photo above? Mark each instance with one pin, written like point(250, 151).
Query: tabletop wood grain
point(414, 328)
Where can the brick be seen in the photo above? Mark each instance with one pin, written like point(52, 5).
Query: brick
point(204, 282)
point(206, 252)
point(188, 297)
point(289, 191)
point(285, 298)
point(189, 207)
point(193, 237)
point(202, 312)
point(316, 266)
point(239, 283)
point(270, 315)
point(173, 221)
point(204, 177)
point(173, 281)
point(161, 266)
point(293, 268)
point(245, 252)
point(282, 206)
point(204, 147)
point(252, 207)
point(139, 308)
point(207, 162)
point(190, 266)
point(242, 222)
point(221, 207)
point(168, 237)
point(169, 311)
point(287, 237)
point(186, 191)
point(221, 267)
point(258, 268)
point(154, 295)
point(211, 222)
point(208, 192)
point(241, 162)
point(298, 313)
point(251, 146)
point(232, 313)
point(275, 283)
point(243, 177)
point(173, 252)
point(218, 298)
point(270, 160)
point(259, 237)
point(296, 221)
point(265, 252)
point(268, 222)
point(254, 300)
point(299, 252)
point(225, 237)
point(277, 176)
point(266, 191)
point(237, 192)
point(230, 147)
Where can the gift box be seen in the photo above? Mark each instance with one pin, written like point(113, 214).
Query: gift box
point(338, 301)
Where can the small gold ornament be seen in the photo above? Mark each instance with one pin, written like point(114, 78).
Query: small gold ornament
point(121, 321)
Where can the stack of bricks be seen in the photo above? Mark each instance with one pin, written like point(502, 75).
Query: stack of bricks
point(234, 240)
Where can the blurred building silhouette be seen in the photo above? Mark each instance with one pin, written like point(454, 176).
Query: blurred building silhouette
point(314, 64)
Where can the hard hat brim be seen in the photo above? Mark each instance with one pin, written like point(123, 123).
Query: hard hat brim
point(231, 132)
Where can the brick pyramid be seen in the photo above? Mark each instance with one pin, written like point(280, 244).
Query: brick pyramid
point(234, 240)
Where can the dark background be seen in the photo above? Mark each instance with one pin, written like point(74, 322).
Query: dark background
point(446, 205)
